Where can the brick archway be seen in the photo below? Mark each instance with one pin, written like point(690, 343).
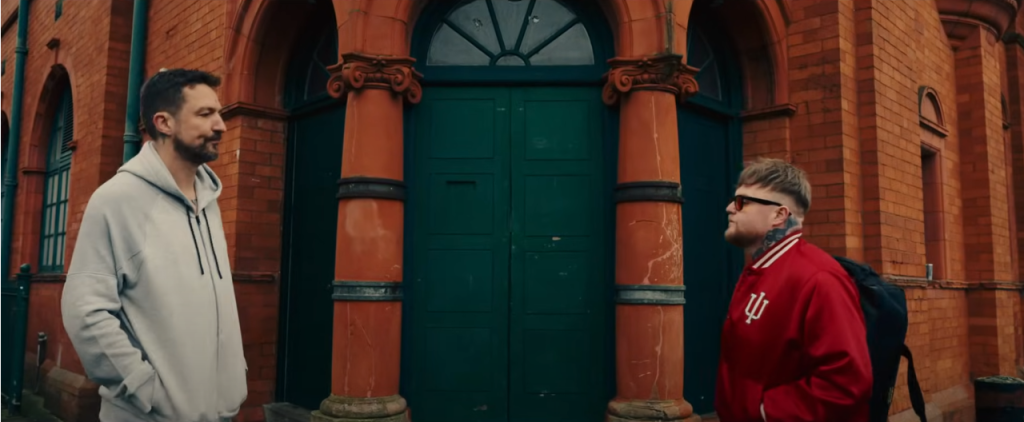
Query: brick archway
point(385, 28)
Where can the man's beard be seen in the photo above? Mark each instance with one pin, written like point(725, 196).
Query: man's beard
point(200, 154)
point(742, 239)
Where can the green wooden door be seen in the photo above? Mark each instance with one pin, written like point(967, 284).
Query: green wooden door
point(710, 158)
point(509, 300)
point(710, 267)
point(316, 132)
point(311, 219)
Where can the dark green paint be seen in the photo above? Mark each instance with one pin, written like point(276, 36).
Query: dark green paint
point(13, 148)
point(509, 316)
point(15, 308)
point(136, 62)
point(710, 158)
point(316, 131)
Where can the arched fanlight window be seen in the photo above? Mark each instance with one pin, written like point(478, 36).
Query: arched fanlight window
point(307, 74)
point(55, 190)
point(325, 54)
point(511, 33)
point(701, 56)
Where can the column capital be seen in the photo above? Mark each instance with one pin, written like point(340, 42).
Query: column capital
point(667, 73)
point(358, 71)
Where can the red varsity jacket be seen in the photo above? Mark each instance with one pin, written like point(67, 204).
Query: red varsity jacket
point(794, 341)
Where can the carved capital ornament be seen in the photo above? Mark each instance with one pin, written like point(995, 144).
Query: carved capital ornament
point(667, 73)
point(360, 71)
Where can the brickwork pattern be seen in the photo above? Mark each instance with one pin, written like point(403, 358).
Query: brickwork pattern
point(854, 68)
point(889, 132)
point(824, 130)
point(986, 226)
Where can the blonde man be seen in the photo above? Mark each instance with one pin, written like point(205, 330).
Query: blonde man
point(794, 346)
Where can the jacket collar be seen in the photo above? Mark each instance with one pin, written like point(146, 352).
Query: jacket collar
point(777, 250)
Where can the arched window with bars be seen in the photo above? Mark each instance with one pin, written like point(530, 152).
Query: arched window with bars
point(55, 189)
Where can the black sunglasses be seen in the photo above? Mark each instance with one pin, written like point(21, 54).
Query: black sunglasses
point(740, 200)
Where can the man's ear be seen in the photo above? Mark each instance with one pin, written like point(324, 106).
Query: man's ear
point(781, 215)
point(162, 121)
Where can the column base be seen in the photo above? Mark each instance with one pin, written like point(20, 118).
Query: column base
point(651, 410)
point(361, 409)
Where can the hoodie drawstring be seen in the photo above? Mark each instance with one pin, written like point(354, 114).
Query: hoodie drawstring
point(215, 260)
point(195, 242)
point(199, 257)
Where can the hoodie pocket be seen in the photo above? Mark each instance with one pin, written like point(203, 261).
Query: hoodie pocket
point(149, 396)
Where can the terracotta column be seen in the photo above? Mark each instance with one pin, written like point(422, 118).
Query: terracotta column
point(368, 264)
point(649, 239)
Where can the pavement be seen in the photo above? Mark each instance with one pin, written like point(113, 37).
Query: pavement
point(31, 411)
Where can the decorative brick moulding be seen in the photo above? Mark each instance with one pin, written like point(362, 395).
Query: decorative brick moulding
point(661, 73)
point(960, 16)
point(358, 71)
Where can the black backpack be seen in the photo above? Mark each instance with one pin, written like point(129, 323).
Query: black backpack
point(885, 317)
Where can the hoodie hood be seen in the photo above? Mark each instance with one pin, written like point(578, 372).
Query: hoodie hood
point(148, 166)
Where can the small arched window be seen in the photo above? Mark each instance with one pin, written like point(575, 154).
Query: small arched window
point(55, 189)
point(511, 33)
point(930, 111)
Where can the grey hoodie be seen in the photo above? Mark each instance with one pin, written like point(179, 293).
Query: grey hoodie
point(149, 303)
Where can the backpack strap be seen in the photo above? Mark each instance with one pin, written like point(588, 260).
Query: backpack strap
point(916, 397)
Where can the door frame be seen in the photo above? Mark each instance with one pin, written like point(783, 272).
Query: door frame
point(602, 40)
point(294, 87)
point(729, 108)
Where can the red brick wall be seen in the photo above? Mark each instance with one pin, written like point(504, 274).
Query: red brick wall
point(194, 34)
point(92, 51)
point(848, 116)
point(823, 133)
point(92, 59)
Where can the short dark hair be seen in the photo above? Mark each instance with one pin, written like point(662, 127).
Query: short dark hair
point(781, 177)
point(164, 92)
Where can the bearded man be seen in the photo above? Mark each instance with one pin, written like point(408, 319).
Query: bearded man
point(149, 303)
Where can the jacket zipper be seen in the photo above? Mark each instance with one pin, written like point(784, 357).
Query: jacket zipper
point(216, 297)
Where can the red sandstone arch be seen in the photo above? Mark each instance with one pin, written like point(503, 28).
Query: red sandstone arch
point(56, 82)
point(261, 33)
point(32, 164)
point(385, 28)
point(758, 30)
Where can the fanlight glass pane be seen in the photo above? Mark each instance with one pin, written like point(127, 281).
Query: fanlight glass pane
point(701, 56)
point(511, 33)
point(326, 54)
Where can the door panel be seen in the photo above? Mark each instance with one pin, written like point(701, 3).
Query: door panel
point(508, 311)
point(710, 263)
point(460, 256)
point(311, 221)
point(559, 298)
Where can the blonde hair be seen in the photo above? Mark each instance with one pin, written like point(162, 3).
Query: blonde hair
point(780, 177)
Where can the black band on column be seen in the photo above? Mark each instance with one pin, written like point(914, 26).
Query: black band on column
point(649, 191)
point(363, 291)
point(650, 294)
point(371, 187)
